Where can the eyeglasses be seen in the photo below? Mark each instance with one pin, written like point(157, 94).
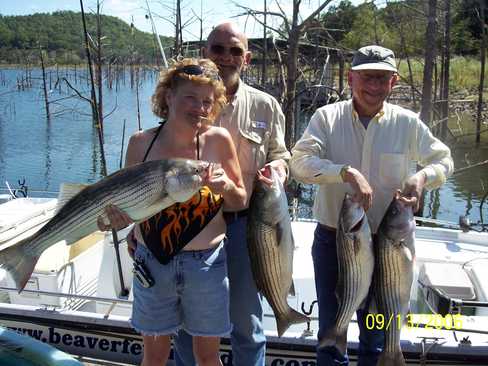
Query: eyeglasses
point(381, 78)
point(196, 70)
point(220, 50)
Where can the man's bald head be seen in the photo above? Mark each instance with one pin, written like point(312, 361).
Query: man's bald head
point(229, 29)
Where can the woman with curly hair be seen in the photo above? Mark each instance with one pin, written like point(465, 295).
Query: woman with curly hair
point(182, 246)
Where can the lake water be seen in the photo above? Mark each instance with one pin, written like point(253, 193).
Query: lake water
point(66, 148)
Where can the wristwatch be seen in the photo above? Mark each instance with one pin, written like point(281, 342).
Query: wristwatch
point(343, 172)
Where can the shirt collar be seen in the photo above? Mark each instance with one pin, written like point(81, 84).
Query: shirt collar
point(239, 91)
point(376, 117)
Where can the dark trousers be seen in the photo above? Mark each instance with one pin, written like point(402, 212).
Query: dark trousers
point(324, 255)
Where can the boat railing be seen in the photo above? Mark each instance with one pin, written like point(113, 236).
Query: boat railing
point(112, 301)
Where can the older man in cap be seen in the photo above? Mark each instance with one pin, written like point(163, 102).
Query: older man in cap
point(367, 147)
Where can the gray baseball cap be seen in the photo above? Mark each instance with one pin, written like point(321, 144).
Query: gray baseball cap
point(374, 58)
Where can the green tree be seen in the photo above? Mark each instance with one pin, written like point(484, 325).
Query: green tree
point(368, 28)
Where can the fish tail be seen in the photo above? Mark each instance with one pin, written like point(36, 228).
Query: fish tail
point(291, 317)
point(336, 339)
point(391, 359)
point(19, 262)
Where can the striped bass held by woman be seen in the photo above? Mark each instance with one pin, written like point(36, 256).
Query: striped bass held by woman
point(140, 191)
point(179, 251)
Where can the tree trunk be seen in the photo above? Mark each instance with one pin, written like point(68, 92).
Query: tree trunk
point(445, 75)
point(482, 73)
point(93, 96)
point(99, 67)
point(292, 73)
point(430, 51)
point(178, 26)
point(265, 49)
point(46, 100)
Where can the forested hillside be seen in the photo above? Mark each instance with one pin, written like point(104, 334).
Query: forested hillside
point(399, 25)
point(61, 35)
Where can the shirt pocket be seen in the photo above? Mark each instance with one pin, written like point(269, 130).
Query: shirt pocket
point(392, 169)
point(254, 139)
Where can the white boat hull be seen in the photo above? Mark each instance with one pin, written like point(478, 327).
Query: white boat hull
point(91, 324)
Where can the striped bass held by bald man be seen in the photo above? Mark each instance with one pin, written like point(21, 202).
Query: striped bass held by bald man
point(140, 191)
point(270, 243)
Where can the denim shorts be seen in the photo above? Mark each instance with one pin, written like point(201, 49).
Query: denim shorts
point(191, 292)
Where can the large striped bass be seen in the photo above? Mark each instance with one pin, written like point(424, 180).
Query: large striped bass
point(355, 260)
point(270, 244)
point(393, 276)
point(140, 190)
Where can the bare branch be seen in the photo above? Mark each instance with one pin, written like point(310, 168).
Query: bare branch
point(250, 12)
point(75, 90)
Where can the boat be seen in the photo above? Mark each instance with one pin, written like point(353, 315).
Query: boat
point(79, 297)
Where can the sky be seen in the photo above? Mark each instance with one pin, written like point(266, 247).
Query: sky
point(214, 12)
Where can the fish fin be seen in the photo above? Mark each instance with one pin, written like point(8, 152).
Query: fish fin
point(19, 263)
point(279, 233)
point(334, 338)
point(391, 359)
point(372, 306)
point(357, 246)
point(292, 289)
point(68, 191)
point(291, 317)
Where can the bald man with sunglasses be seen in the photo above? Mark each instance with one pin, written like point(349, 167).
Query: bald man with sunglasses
point(257, 126)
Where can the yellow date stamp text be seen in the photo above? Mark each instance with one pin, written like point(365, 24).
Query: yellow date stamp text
point(414, 321)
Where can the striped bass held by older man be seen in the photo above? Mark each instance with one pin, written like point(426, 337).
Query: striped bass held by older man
point(140, 191)
point(270, 243)
point(355, 260)
point(393, 276)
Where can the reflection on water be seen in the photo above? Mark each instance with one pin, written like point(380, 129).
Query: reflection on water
point(66, 148)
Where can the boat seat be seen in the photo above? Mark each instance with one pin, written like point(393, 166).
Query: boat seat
point(478, 271)
point(57, 256)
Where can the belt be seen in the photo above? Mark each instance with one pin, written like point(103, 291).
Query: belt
point(328, 228)
point(231, 216)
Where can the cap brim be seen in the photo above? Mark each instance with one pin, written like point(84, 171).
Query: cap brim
point(374, 66)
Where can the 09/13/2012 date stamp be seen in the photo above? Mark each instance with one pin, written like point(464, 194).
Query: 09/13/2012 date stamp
point(413, 321)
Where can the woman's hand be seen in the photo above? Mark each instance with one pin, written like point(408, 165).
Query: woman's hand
point(217, 180)
point(117, 219)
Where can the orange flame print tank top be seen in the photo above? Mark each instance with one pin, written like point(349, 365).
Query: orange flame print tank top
point(167, 232)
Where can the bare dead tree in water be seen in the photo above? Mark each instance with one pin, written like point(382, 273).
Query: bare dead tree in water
point(44, 83)
point(293, 31)
point(176, 20)
point(96, 117)
point(99, 66)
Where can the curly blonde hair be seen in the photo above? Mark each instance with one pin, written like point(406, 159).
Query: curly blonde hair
point(172, 77)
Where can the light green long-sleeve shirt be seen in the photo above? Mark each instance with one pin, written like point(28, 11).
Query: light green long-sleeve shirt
point(385, 153)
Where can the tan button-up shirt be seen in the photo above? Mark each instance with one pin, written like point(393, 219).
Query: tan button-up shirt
point(385, 153)
point(257, 126)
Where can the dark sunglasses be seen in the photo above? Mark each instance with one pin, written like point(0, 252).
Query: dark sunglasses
point(196, 70)
point(220, 50)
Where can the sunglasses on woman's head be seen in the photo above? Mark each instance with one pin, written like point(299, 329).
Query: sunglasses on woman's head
point(196, 70)
point(220, 50)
